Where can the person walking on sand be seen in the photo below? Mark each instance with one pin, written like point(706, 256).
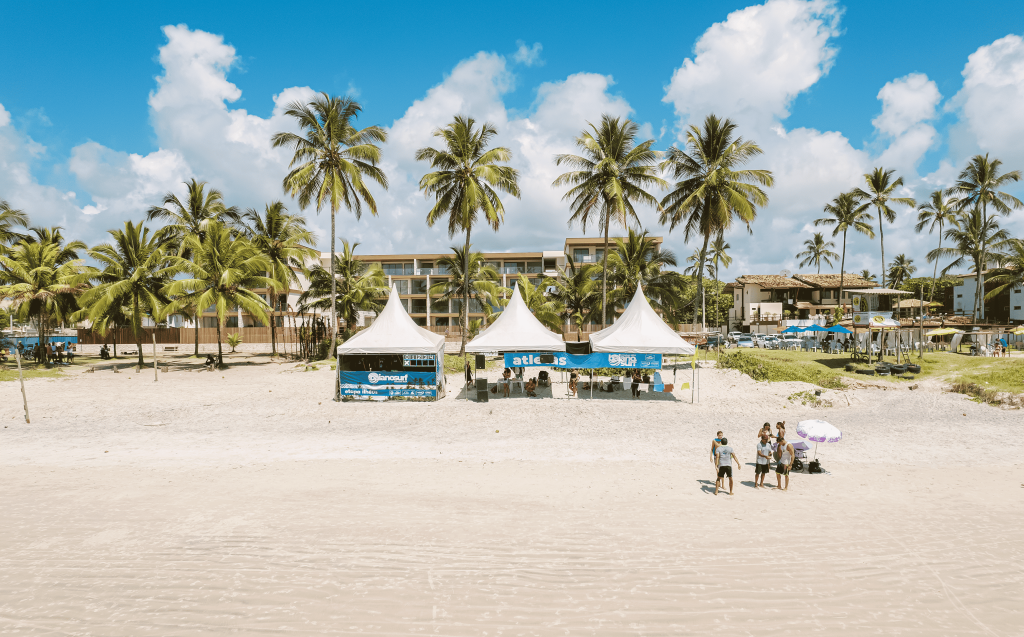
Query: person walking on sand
point(725, 457)
point(785, 462)
point(764, 459)
point(714, 462)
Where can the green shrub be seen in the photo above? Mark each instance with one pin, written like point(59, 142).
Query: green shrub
point(776, 371)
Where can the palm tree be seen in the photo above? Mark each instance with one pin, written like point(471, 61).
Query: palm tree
point(284, 240)
point(224, 269)
point(356, 286)
point(42, 279)
point(817, 250)
point(880, 186)
point(331, 161)
point(637, 260)
point(607, 179)
point(201, 207)
point(847, 213)
point(481, 281)
point(719, 256)
point(710, 190)
point(973, 236)
point(1010, 273)
point(464, 183)
point(937, 212)
point(901, 269)
point(136, 270)
point(9, 218)
point(978, 186)
point(547, 310)
point(575, 289)
point(867, 276)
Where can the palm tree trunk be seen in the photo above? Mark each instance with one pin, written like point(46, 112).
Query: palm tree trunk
point(137, 326)
point(464, 314)
point(220, 350)
point(195, 322)
point(604, 274)
point(842, 271)
point(980, 291)
point(334, 309)
point(273, 325)
point(113, 338)
point(881, 235)
point(717, 293)
point(935, 274)
point(700, 279)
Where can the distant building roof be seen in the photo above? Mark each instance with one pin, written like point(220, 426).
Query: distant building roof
point(771, 281)
point(850, 280)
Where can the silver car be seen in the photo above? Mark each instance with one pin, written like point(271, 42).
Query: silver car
point(744, 341)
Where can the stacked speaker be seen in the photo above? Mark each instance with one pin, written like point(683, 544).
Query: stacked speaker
point(481, 390)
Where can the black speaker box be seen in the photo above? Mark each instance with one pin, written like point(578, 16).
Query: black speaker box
point(481, 361)
point(481, 384)
point(481, 395)
point(547, 359)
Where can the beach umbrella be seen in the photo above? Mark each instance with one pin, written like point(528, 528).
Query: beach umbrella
point(818, 431)
point(792, 329)
point(839, 329)
point(815, 328)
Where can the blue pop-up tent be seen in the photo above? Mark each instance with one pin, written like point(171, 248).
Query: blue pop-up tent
point(815, 328)
point(838, 329)
point(792, 329)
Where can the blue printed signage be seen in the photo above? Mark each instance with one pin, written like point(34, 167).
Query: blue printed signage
point(409, 384)
point(586, 361)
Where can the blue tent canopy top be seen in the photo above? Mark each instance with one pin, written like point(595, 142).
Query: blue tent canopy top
point(815, 328)
point(839, 329)
point(793, 329)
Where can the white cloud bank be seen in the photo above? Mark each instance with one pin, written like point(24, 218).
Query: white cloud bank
point(750, 67)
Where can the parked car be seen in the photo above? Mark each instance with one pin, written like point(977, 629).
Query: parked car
point(758, 339)
point(714, 342)
point(735, 336)
point(771, 341)
point(789, 339)
point(744, 341)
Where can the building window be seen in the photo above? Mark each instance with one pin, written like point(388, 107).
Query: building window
point(439, 306)
point(402, 285)
point(407, 304)
point(826, 294)
point(441, 321)
point(232, 321)
point(959, 296)
point(456, 305)
point(475, 307)
point(397, 269)
point(515, 267)
point(1016, 307)
point(420, 320)
point(534, 267)
point(598, 254)
point(579, 255)
point(419, 306)
point(419, 286)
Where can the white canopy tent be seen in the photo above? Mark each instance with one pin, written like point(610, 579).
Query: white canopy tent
point(516, 330)
point(393, 332)
point(641, 331)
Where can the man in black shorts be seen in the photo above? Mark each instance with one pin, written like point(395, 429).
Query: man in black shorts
point(725, 456)
point(714, 461)
point(785, 463)
point(764, 459)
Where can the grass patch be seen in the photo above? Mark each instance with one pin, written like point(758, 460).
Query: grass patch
point(10, 372)
point(999, 374)
point(809, 398)
point(762, 367)
point(976, 391)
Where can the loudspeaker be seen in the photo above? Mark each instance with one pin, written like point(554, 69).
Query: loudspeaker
point(481, 384)
point(547, 359)
point(481, 395)
point(481, 361)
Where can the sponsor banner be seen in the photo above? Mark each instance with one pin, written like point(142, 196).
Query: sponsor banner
point(586, 361)
point(875, 318)
point(388, 383)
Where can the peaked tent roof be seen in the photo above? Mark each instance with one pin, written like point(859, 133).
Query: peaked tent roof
point(639, 330)
point(516, 330)
point(393, 332)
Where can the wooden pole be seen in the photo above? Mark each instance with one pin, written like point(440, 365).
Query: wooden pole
point(24, 399)
point(155, 376)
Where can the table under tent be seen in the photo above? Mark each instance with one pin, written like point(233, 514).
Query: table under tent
point(392, 358)
point(637, 340)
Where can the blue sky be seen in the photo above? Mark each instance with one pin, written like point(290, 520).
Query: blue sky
point(78, 97)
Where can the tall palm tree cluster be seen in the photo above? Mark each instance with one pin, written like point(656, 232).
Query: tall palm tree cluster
point(965, 215)
point(205, 256)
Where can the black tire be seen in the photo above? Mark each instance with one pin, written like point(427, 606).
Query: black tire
point(798, 465)
point(850, 367)
point(914, 369)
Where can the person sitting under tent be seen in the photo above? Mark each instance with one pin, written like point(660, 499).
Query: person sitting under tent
point(531, 388)
point(105, 352)
point(574, 380)
point(506, 382)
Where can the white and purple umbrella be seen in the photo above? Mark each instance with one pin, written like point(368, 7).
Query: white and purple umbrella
point(818, 431)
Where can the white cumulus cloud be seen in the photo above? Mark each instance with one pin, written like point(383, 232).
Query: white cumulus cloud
point(528, 55)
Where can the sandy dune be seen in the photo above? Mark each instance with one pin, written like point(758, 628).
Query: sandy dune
point(212, 503)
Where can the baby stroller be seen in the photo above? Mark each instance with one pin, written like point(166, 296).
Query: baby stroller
point(542, 378)
point(800, 449)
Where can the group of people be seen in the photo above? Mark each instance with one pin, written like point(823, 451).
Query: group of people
point(769, 447)
point(54, 353)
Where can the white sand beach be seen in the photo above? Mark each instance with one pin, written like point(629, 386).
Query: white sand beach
point(247, 501)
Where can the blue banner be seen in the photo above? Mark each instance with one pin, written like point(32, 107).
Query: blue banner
point(411, 384)
point(586, 361)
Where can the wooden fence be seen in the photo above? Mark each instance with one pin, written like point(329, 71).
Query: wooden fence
point(187, 335)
